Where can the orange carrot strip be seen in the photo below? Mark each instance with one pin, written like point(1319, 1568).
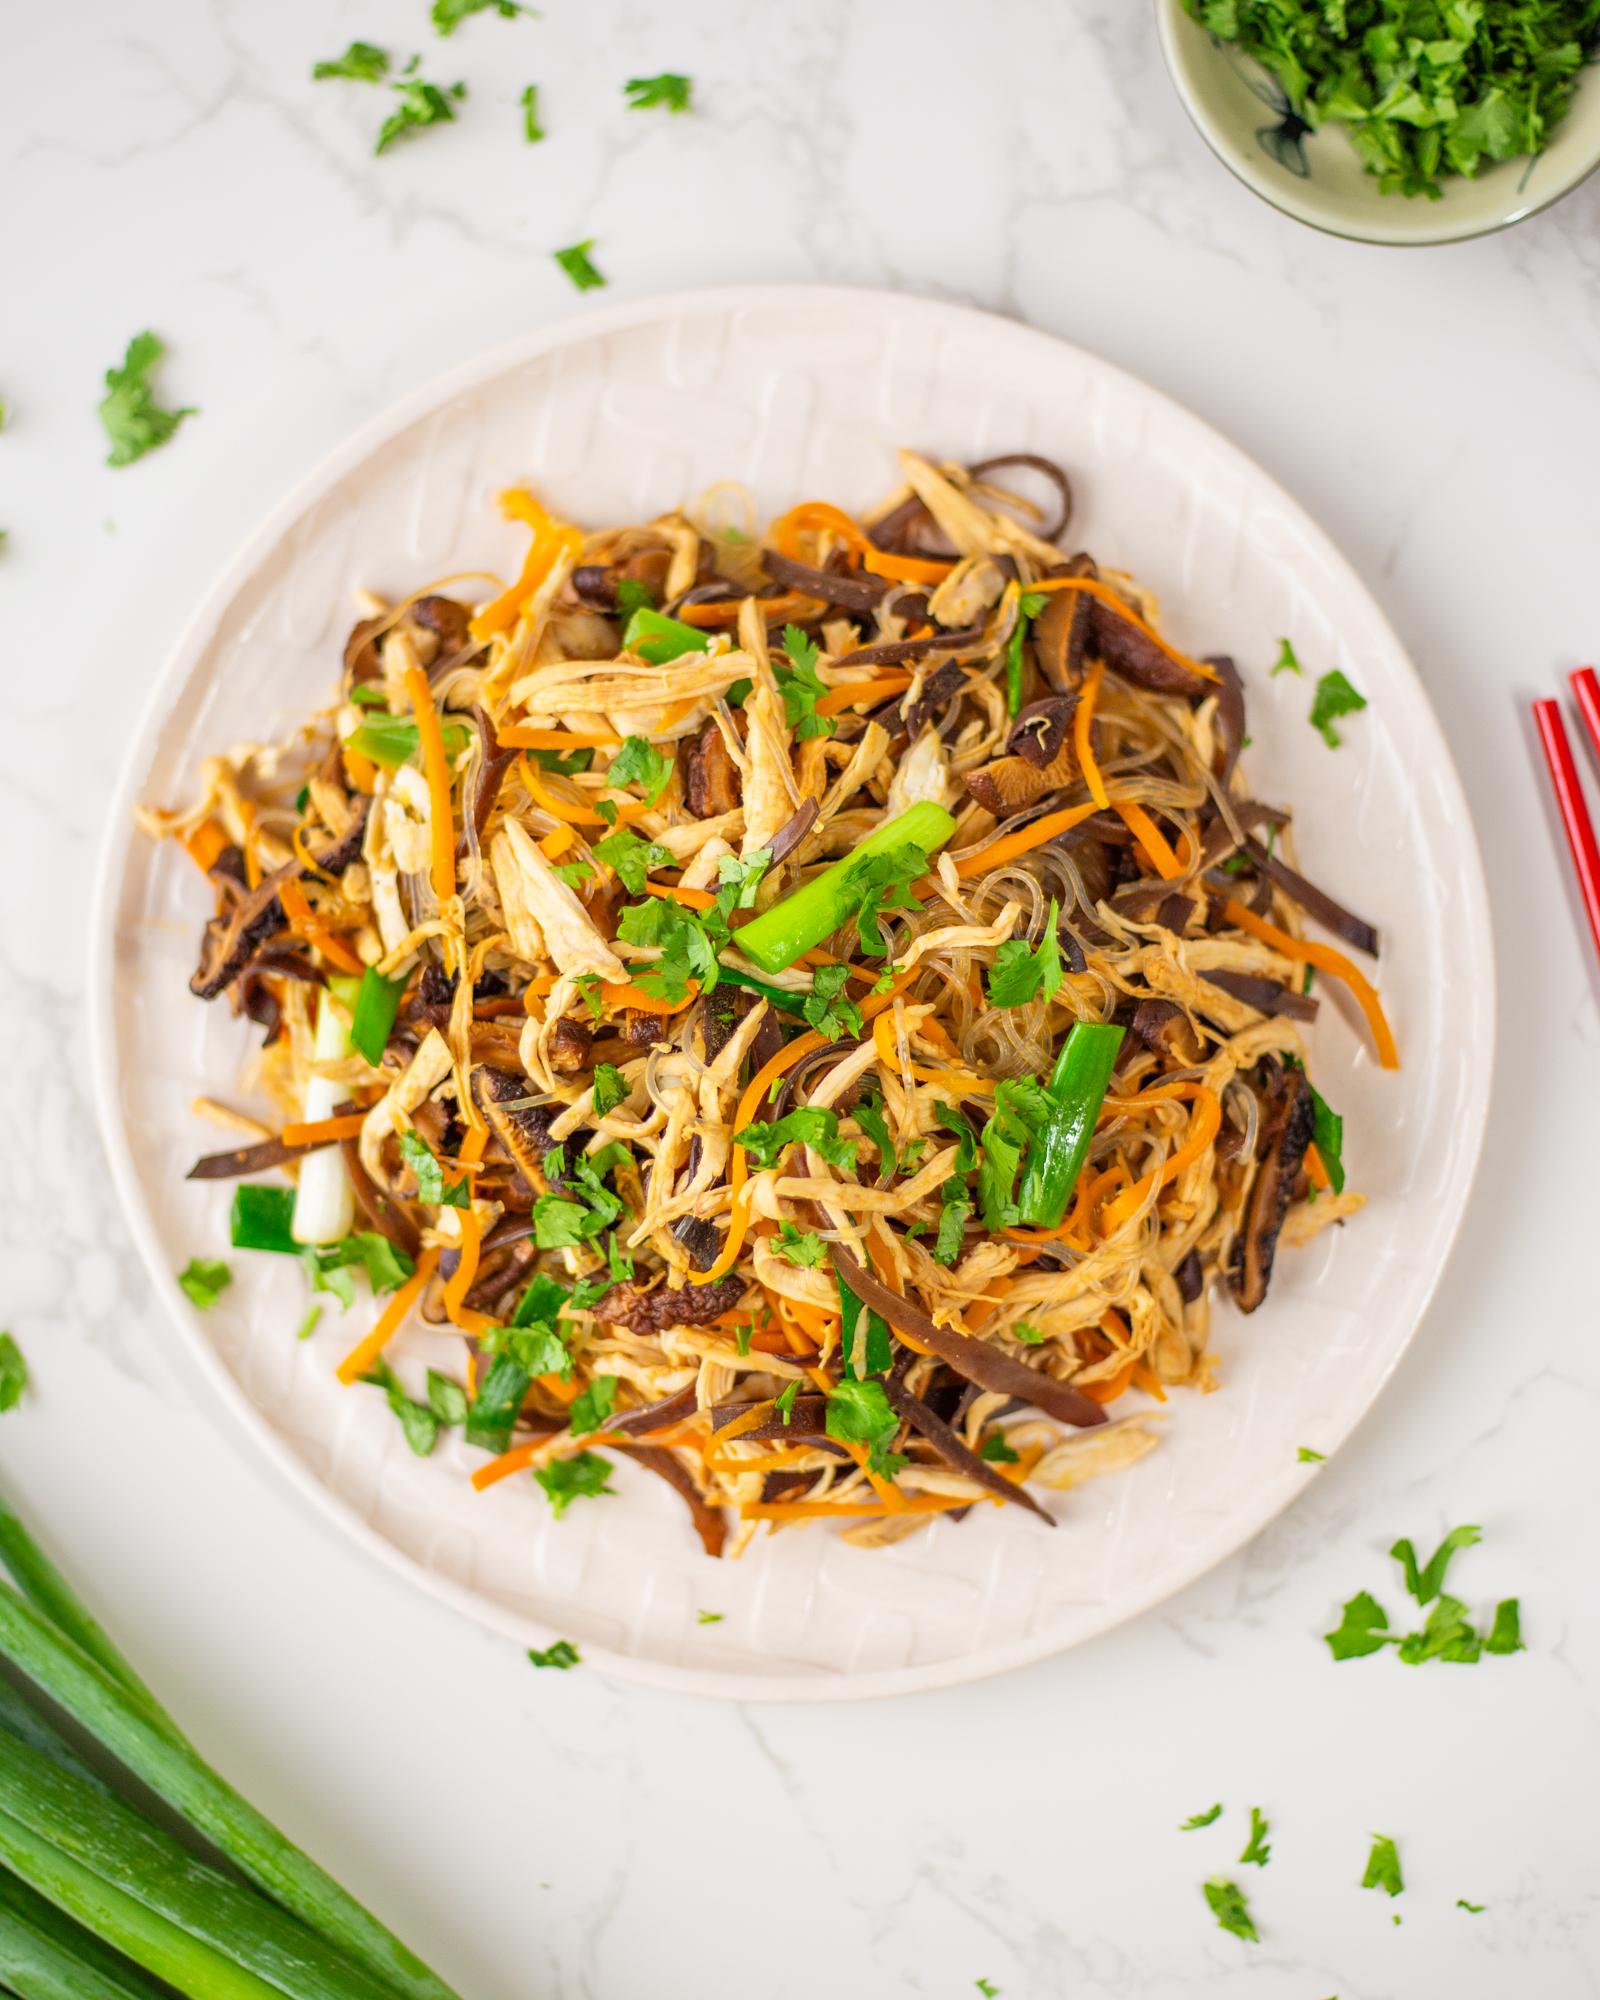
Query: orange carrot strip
point(550, 537)
point(361, 771)
point(366, 1351)
point(556, 841)
point(1012, 844)
point(812, 516)
point(1326, 959)
point(1151, 839)
point(301, 919)
point(1107, 596)
point(204, 843)
point(436, 767)
point(850, 694)
point(1204, 1126)
point(1082, 739)
point(1317, 1172)
point(793, 605)
point(1110, 1387)
point(460, 1281)
point(323, 1131)
point(518, 736)
point(836, 1510)
point(675, 892)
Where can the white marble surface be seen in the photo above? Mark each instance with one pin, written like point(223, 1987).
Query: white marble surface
point(542, 1835)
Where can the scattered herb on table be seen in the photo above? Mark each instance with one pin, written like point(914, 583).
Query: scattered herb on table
point(1199, 1819)
point(1383, 1867)
point(668, 91)
point(1472, 1909)
point(709, 1618)
point(134, 422)
point(1307, 1456)
point(13, 1373)
point(987, 1988)
point(560, 1653)
point(532, 130)
point(1447, 1633)
point(1258, 1848)
point(1229, 1907)
point(579, 266)
point(420, 104)
point(447, 15)
point(1334, 697)
point(362, 62)
point(203, 1281)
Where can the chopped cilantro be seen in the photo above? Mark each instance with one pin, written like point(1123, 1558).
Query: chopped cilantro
point(418, 105)
point(1473, 1909)
point(987, 1988)
point(133, 420)
point(1334, 697)
point(576, 262)
point(669, 91)
point(810, 1126)
point(632, 858)
point(1020, 1107)
point(1363, 1628)
point(805, 1248)
point(610, 1088)
point(559, 1224)
point(1288, 660)
point(574, 873)
point(868, 1114)
point(949, 1119)
point(882, 882)
point(1257, 1848)
point(567, 1479)
point(362, 62)
point(1383, 1867)
point(1425, 1584)
point(588, 985)
point(861, 1413)
point(995, 1449)
point(1200, 1819)
point(1029, 1334)
point(1327, 1135)
point(592, 1409)
point(447, 15)
point(532, 130)
point(685, 950)
point(783, 1402)
point(829, 1008)
point(432, 1186)
point(13, 1373)
point(709, 1618)
point(1447, 1634)
point(1505, 1635)
point(954, 1210)
point(565, 765)
point(1307, 1456)
point(446, 1399)
point(1232, 1912)
point(801, 687)
point(737, 882)
point(1022, 972)
point(418, 1423)
point(204, 1280)
point(637, 763)
point(562, 1654)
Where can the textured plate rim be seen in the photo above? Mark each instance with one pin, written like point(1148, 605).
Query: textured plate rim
point(241, 1413)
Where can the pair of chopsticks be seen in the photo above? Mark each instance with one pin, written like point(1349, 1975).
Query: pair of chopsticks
point(1568, 791)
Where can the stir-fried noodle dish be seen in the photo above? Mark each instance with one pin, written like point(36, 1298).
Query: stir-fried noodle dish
point(817, 1013)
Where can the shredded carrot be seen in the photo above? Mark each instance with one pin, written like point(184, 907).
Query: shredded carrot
point(574, 811)
point(460, 1281)
point(1317, 1171)
point(1146, 1378)
point(1204, 1125)
point(837, 1510)
point(1082, 736)
point(361, 771)
point(1013, 844)
point(883, 1037)
point(793, 605)
point(323, 1131)
point(676, 892)
point(769, 1461)
point(303, 854)
point(613, 994)
point(556, 841)
point(301, 919)
point(436, 766)
point(1110, 1387)
point(733, 1240)
point(204, 843)
point(816, 515)
point(1325, 959)
point(366, 1351)
point(1092, 587)
point(550, 539)
point(517, 736)
point(1150, 837)
point(851, 694)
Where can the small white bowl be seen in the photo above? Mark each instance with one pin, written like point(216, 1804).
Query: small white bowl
point(1317, 177)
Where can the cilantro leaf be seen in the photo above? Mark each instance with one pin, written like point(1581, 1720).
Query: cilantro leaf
point(574, 873)
point(879, 882)
point(806, 1249)
point(1020, 1108)
point(418, 1423)
point(686, 951)
point(1200, 1819)
point(996, 1450)
point(432, 1186)
point(560, 1224)
point(592, 1408)
point(637, 763)
point(1307, 1456)
point(446, 1399)
point(567, 1479)
point(955, 1208)
point(829, 1008)
point(576, 262)
point(1257, 1848)
point(1232, 1912)
point(868, 1114)
point(532, 130)
point(13, 1373)
point(1022, 972)
point(631, 858)
point(1363, 1628)
point(737, 882)
point(562, 1654)
point(1029, 1334)
point(362, 62)
point(1334, 697)
point(419, 104)
point(134, 422)
point(1447, 1634)
point(669, 91)
point(204, 1280)
point(1288, 661)
point(765, 1140)
point(1505, 1635)
point(566, 765)
point(1383, 1867)
point(987, 1988)
point(1425, 1584)
point(949, 1119)
point(610, 1088)
point(861, 1413)
point(447, 15)
point(801, 687)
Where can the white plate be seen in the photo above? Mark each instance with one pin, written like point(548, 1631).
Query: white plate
point(801, 392)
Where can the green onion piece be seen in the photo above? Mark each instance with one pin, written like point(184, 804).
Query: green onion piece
point(493, 1410)
point(817, 908)
point(44, 1955)
point(1076, 1090)
point(376, 1002)
point(786, 1003)
point(655, 637)
point(260, 1218)
point(47, 1590)
point(175, 1772)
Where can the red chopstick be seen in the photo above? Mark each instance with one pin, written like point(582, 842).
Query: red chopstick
point(1569, 799)
point(1587, 690)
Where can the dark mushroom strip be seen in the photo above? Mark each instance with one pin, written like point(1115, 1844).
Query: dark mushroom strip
point(1163, 1026)
point(656, 1416)
point(522, 1129)
point(699, 1238)
point(939, 689)
point(709, 1522)
point(794, 829)
point(230, 942)
point(808, 1423)
point(975, 1359)
point(711, 785)
point(493, 764)
point(1264, 994)
point(986, 468)
point(1230, 711)
point(1131, 652)
point(956, 1453)
point(595, 586)
point(896, 652)
point(1010, 783)
point(257, 1158)
point(1314, 901)
point(1190, 1278)
point(1285, 1135)
point(384, 1214)
point(1042, 729)
point(853, 593)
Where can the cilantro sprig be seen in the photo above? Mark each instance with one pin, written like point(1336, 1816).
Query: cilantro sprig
point(1447, 1633)
point(132, 418)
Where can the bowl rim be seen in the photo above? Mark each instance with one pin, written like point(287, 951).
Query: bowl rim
point(1171, 15)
